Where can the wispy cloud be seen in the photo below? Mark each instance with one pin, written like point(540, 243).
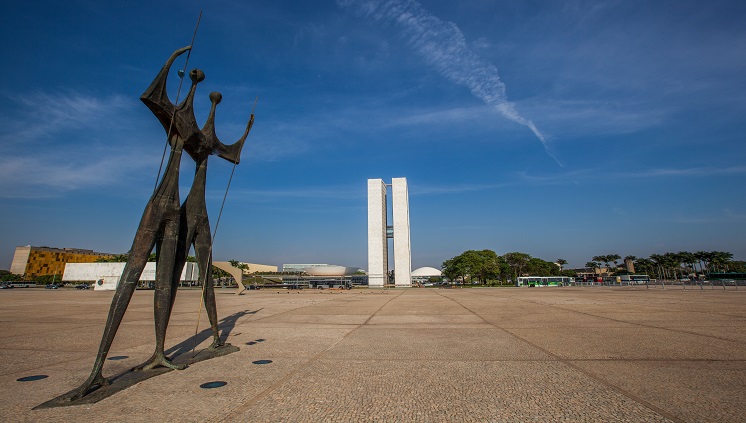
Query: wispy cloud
point(423, 190)
point(52, 175)
point(58, 142)
point(42, 114)
point(443, 46)
point(691, 171)
point(309, 193)
point(728, 216)
point(597, 174)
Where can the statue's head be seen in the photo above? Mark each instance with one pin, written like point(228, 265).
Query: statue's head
point(197, 76)
point(216, 97)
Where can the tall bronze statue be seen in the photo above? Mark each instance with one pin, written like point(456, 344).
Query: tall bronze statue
point(168, 226)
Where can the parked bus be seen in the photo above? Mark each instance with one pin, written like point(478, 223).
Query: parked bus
point(634, 279)
point(544, 281)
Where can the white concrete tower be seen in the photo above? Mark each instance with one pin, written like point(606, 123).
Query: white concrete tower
point(378, 256)
point(379, 232)
point(402, 250)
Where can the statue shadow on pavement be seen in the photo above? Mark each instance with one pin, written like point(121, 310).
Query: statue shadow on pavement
point(180, 353)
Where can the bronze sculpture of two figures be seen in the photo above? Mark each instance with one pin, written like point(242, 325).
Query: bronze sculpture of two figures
point(172, 228)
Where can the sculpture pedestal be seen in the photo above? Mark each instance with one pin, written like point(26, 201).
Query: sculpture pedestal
point(129, 378)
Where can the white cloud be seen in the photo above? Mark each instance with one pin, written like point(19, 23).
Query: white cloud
point(43, 114)
point(443, 46)
point(63, 141)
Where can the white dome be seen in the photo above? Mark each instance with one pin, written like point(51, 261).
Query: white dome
point(426, 272)
point(330, 270)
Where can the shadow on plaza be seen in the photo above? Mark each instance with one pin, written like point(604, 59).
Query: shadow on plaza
point(180, 354)
point(225, 327)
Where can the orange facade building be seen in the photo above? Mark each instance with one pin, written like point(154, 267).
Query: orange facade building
point(39, 261)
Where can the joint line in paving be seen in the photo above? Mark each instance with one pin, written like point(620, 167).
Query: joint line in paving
point(569, 363)
point(235, 413)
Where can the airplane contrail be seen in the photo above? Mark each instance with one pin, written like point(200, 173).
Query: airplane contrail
point(443, 46)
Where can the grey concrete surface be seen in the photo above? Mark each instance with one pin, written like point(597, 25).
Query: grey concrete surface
point(431, 355)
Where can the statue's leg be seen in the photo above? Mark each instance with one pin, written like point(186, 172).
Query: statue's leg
point(184, 242)
point(163, 291)
point(182, 250)
point(202, 251)
point(141, 248)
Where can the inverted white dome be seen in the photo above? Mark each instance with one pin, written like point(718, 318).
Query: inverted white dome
point(426, 272)
point(330, 270)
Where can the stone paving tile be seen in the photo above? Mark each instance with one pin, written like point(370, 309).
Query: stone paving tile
point(464, 343)
point(540, 317)
point(431, 319)
point(664, 318)
point(702, 391)
point(292, 342)
point(443, 391)
point(737, 334)
point(629, 344)
point(472, 355)
point(319, 319)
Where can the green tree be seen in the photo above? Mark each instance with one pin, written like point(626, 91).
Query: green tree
point(644, 265)
point(658, 265)
point(720, 260)
point(609, 258)
point(562, 263)
point(454, 268)
point(10, 277)
point(517, 262)
point(601, 259)
point(238, 265)
point(219, 273)
point(539, 267)
point(703, 258)
point(479, 266)
point(116, 258)
point(689, 259)
point(485, 265)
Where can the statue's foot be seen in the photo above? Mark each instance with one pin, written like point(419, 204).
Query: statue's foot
point(88, 385)
point(145, 363)
point(161, 361)
point(216, 343)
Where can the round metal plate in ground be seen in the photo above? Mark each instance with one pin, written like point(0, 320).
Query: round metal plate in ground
point(31, 378)
point(214, 384)
point(118, 357)
point(251, 343)
point(262, 361)
point(260, 340)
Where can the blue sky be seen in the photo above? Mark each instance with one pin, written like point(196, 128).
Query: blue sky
point(563, 129)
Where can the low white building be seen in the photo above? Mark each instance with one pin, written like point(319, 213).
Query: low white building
point(423, 274)
point(105, 276)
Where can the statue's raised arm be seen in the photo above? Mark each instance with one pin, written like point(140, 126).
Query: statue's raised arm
point(232, 152)
point(156, 96)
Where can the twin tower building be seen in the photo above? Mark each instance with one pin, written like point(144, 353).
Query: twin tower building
point(379, 232)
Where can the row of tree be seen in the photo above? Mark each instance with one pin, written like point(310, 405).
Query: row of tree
point(673, 265)
point(485, 266)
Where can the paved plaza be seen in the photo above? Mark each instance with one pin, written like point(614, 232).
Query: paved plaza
point(434, 355)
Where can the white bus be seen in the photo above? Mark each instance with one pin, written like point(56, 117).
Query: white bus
point(634, 279)
point(544, 281)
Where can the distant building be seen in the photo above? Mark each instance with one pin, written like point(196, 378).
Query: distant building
point(105, 276)
point(40, 261)
point(252, 267)
point(379, 232)
point(301, 267)
point(423, 274)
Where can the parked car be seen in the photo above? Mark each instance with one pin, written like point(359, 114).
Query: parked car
point(5, 285)
point(52, 286)
point(82, 286)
